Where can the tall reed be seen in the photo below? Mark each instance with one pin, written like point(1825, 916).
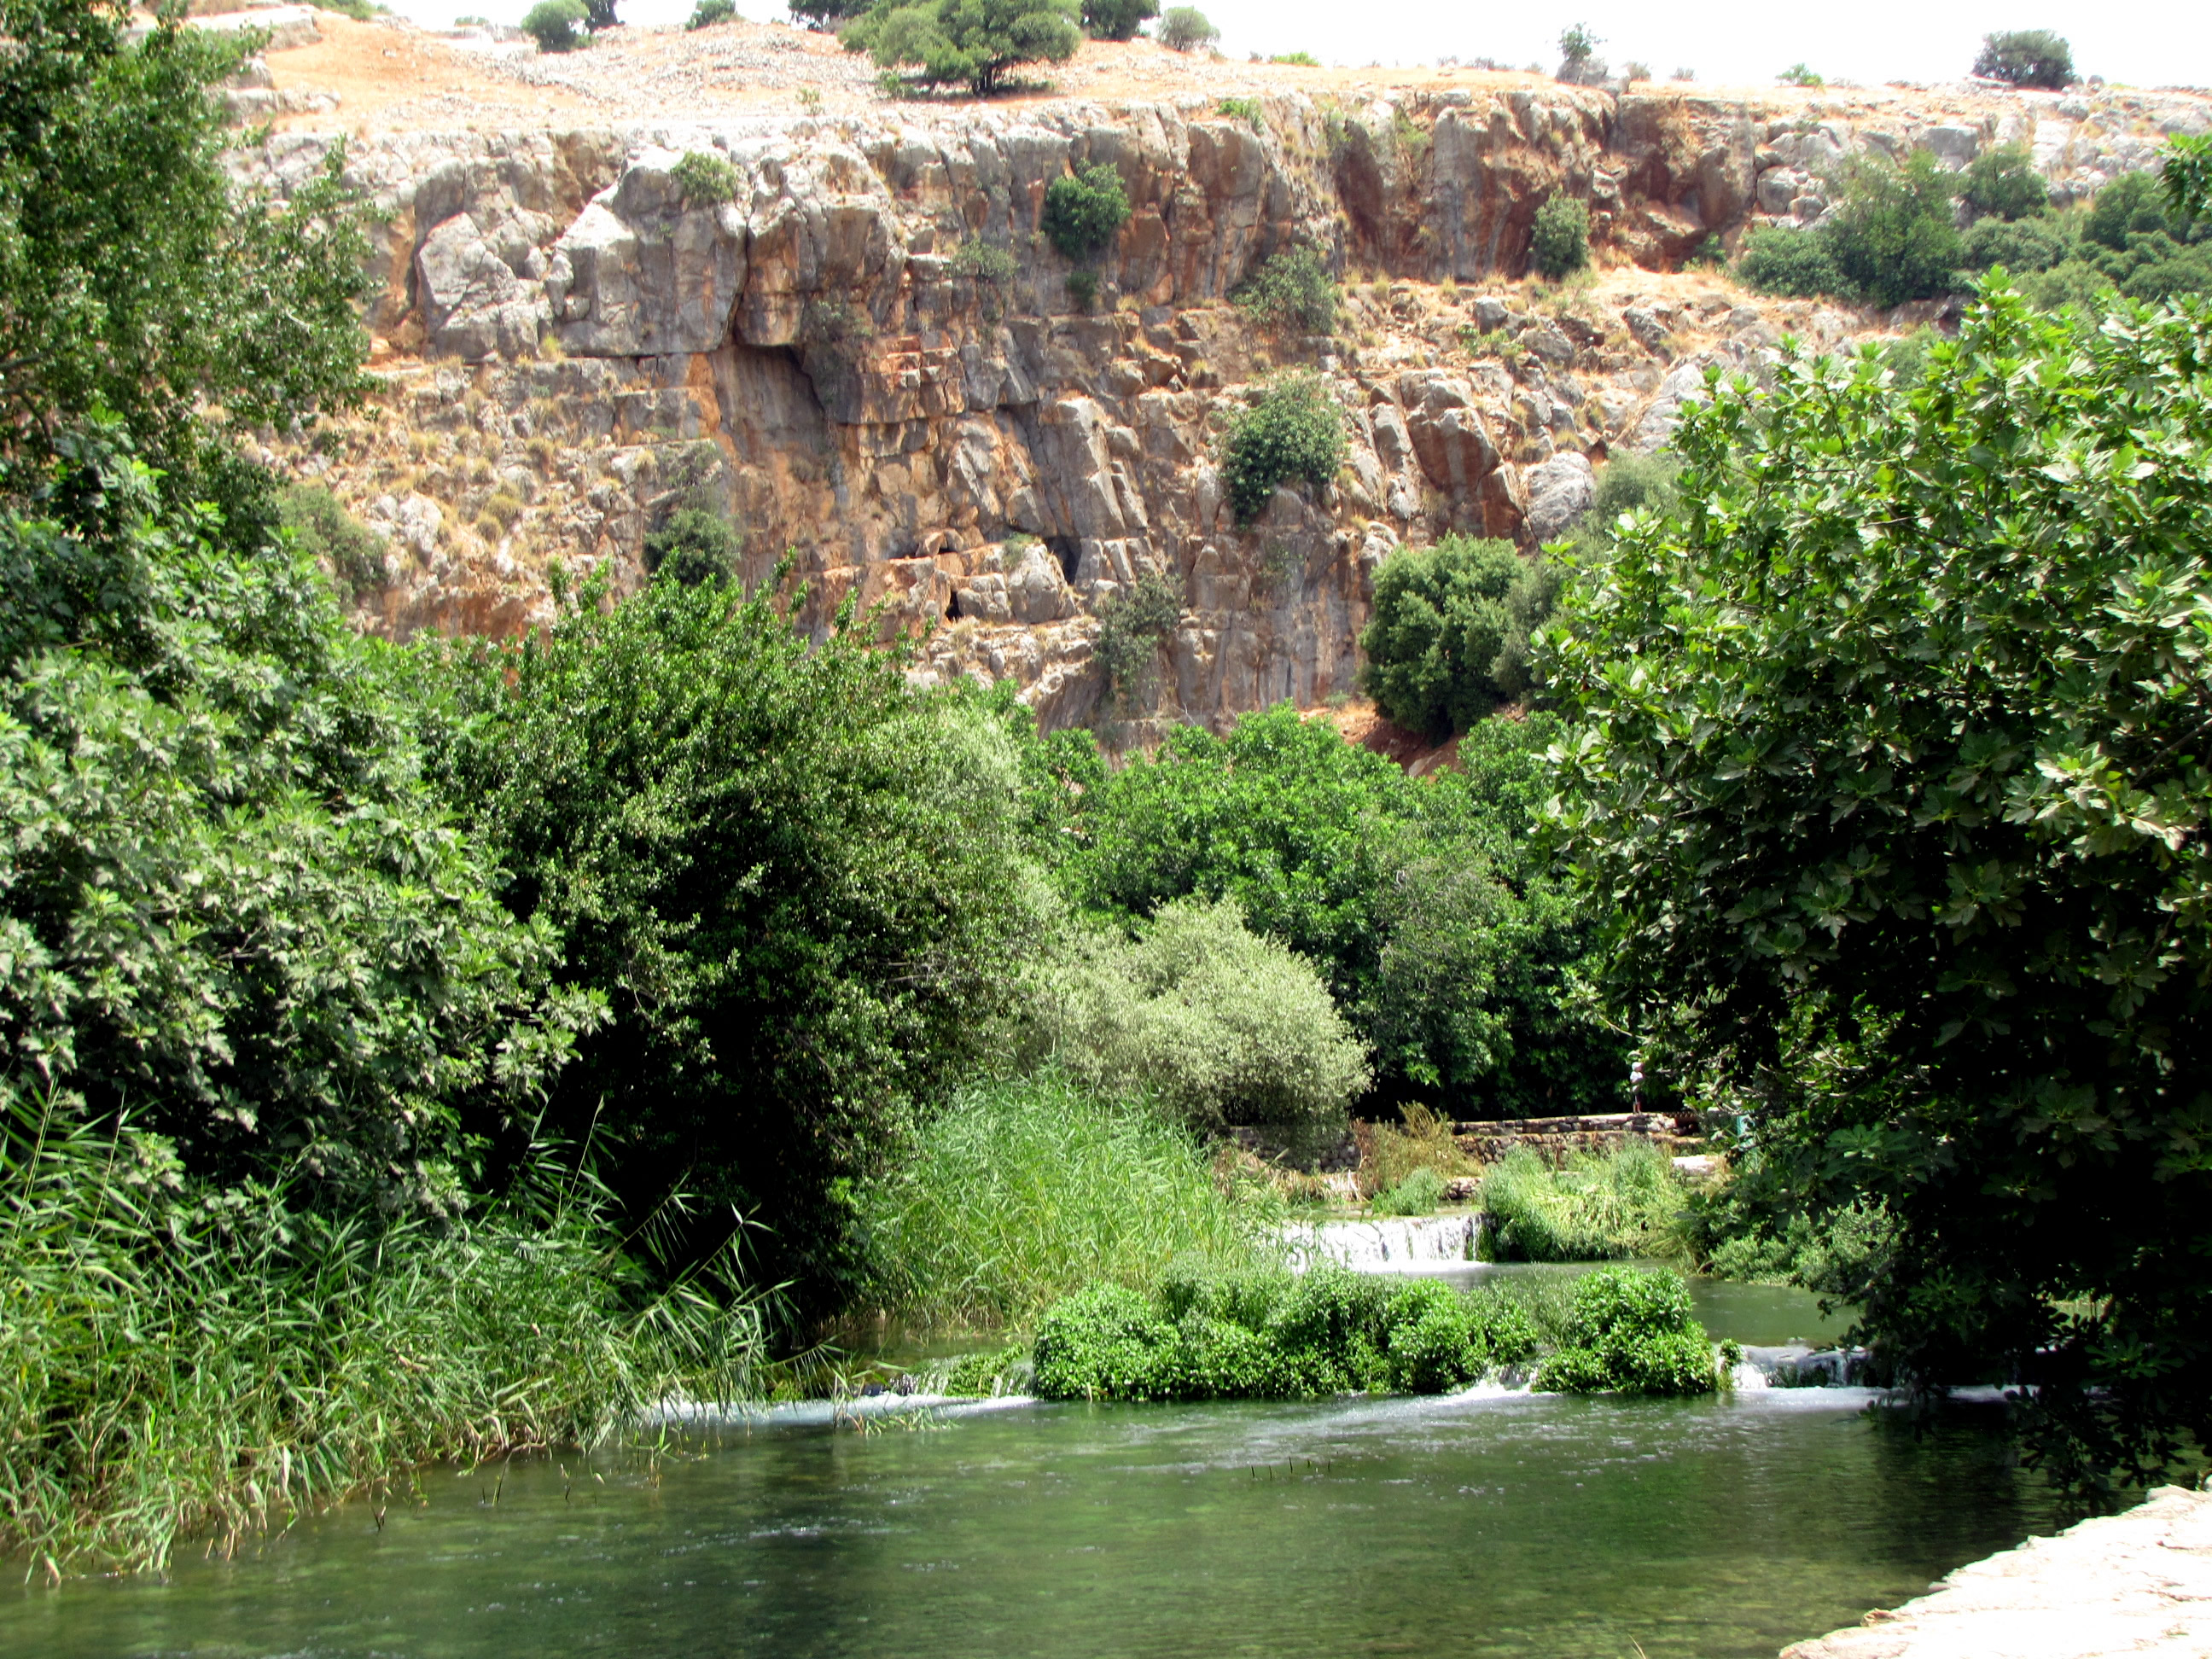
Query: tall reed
point(178, 1364)
point(1024, 1191)
point(1625, 1203)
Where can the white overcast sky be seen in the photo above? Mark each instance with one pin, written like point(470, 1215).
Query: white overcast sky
point(2143, 42)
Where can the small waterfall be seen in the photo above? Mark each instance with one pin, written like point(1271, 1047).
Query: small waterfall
point(1385, 1245)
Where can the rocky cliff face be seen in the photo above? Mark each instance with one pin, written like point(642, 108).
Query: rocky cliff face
point(569, 346)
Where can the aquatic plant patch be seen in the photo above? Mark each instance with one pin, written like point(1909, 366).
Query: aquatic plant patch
point(1632, 1332)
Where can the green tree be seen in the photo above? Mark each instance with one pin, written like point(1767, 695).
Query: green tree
point(795, 881)
point(1182, 28)
point(2002, 181)
point(1783, 259)
point(1561, 240)
point(135, 275)
point(694, 546)
point(1291, 291)
point(1456, 958)
point(2187, 173)
point(1085, 210)
point(2027, 58)
point(1889, 763)
point(557, 24)
point(1446, 622)
point(1892, 237)
point(970, 43)
point(1294, 432)
point(228, 901)
point(1116, 20)
point(824, 14)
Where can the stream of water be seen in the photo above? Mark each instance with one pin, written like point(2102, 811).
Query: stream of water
point(1482, 1524)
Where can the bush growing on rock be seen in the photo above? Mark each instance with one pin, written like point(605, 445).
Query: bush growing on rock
point(322, 530)
point(1449, 637)
point(2001, 182)
point(1133, 622)
point(1294, 432)
point(1631, 1332)
point(2027, 58)
point(1292, 291)
point(695, 546)
point(1085, 210)
point(1892, 236)
point(707, 13)
point(1116, 20)
point(970, 43)
point(557, 25)
point(705, 179)
point(1182, 28)
point(984, 262)
point(1561, 241)
point(1783, 259)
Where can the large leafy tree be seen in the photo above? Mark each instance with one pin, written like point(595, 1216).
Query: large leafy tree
point(135, 274)
point(797, 883)
point(1455, 954)
point(970, 43)
point(1892, 765)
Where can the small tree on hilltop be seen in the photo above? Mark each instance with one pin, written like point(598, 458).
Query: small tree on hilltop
point(1182, 28)
point(556, 25)
point(826, 13)
point(971, 43)
point(2027, 58)
point(1116, 20)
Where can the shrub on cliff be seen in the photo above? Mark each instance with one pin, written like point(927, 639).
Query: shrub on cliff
point(1783, 259)
point(2027, 58)
point(1182, 28)
point(1085, 210)
point(1294, 432)
point(1561, 240)
point(1133, 622)
point(706, 177)
point(2001, 182)
point(1964, 984)
point(1892, 236)
point(1449, 636)
point(695, 545)
point(557, 25)
point(1116, 20)
point(1292, 290)
point(970, 43)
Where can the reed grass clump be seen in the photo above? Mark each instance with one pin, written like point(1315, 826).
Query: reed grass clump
point(1594, 1209)
point(1025, 1190)
point(178, 1361)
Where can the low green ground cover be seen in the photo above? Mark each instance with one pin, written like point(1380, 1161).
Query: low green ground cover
point(1590, 1209)
point(1204, 1334)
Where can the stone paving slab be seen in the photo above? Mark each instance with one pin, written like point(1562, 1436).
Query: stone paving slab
point(2139, 1583)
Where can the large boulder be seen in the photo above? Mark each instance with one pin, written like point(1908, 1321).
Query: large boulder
point(1560, 490)
point(644, 271)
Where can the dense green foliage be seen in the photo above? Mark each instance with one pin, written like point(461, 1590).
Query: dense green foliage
point(785, 873)
point(1116, 20)
point(1560, 240)
point(707, 13)
point(1452, 950)
point(1291, 292)
point(1294, 432)
point(557, 24)
point(707, 179)
point(1892, 237)
point(1216, 1023)
point(1592, 1209)
point(1021, 1193)
point(1133, 622)
point(2027, 58)
point(822, 14)
point(1783, 259)
point(322, 530)
point(694, 546)
point(1631, 1332)
point(2001, 182)
point(970, 43)
point(136, 277)
point(1449, 637)
point(1182, 28)
point(1891, 766)
point(1085, 210)
point(1204, 1334)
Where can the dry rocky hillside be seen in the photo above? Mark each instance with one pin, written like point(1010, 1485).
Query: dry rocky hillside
point(566, 346)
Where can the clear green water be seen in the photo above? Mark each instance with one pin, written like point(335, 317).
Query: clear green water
point(1471, 1525)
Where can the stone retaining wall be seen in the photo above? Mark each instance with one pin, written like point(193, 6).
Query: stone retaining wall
point(1554, 1138)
